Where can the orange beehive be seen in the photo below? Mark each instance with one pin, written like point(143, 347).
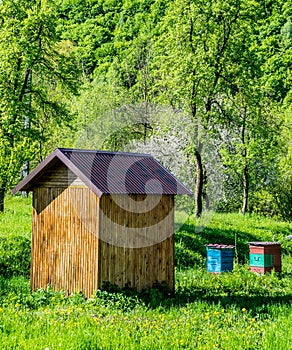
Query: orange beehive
point(265, 257)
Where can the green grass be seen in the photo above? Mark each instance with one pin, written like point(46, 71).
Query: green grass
point(16, 220)
point(228, 229)
point(240, 310)
point(237, 310)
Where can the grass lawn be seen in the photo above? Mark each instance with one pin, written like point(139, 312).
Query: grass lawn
point(236, 310)
point(17, 217)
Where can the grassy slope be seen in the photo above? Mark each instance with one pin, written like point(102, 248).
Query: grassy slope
point(229, 229)
point(234, 310)
point(17, 217)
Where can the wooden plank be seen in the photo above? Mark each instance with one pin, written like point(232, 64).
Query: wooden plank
point(133, 266)
point(61, 241)
point(59, 176)
point(34, 246)
point(94, 244)
point(68, 254)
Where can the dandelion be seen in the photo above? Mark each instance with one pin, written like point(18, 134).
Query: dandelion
point(243, 309)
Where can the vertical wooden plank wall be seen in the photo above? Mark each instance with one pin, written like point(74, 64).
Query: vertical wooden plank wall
point(80, 241)
point(65, 239)
point(136, 249)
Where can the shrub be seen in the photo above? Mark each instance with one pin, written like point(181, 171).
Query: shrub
point(15, 252)
point(264, 203)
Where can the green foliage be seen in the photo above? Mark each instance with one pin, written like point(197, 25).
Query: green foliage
point(14, 256)
point(90, 26)
point(283, 195)
point(14, 151)
point(263, 203)
point(36, 73)
point(282, 189)
point(115, 298)
point(224, 64)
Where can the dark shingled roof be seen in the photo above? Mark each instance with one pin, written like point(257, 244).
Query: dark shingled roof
point(110, 172)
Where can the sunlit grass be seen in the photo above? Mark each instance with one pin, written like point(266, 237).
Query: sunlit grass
point(16, 220)
point(224, 314)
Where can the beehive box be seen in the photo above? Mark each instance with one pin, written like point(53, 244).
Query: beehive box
point(219, 258)
point(265, 257)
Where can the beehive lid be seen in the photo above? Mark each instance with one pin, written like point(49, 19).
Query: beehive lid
point(220, 246)
point(264, 243)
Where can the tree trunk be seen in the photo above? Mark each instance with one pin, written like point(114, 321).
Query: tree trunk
point(199, 182)
point(204, 193)
point(245, 190)
point(2, 194)
point(245, 169)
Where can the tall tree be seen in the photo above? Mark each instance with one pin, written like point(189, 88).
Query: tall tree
point(196, 54)
point(116, 104)
point(276, 47)
point(90, 25)
point(212, 64)
point(32, 63)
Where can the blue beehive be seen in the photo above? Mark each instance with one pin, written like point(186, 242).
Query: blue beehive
point(219, 257)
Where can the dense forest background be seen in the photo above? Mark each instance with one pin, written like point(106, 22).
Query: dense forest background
point(204, 86)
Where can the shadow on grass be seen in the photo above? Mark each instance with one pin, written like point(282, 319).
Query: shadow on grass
point(257, 301)
point(254, 303)
point(159, 297)
point(190, 246)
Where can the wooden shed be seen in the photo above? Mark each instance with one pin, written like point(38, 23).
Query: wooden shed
point(101, 217)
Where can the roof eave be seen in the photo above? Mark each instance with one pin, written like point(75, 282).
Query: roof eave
point(80, 174)
point(27, 183)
